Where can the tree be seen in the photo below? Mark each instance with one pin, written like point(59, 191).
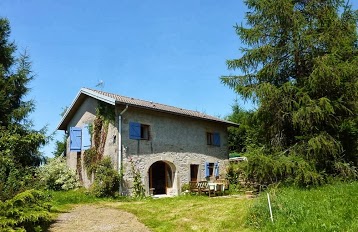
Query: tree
point(300, 66)
point(19, 143)
point(246, 135)
point(60, 145)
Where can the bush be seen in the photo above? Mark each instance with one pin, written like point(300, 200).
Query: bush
point(14, 178)
point(185, 187)
point(270, 169)
point(107, 180)
point(27, 211)
point(56, 175)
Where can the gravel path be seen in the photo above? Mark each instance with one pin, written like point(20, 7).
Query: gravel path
point(97, 218)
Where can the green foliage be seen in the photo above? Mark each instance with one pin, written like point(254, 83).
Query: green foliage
point(233, 173)
point(90, 160)
point(60, 147)
point(328, 208)
point(138, 187)
point(56, 175)
point(246, 135)
point(300, 67)
point(107, 179)
point(106, 112)
point(27, 211)
point(185, 187)
point(14, 179)
point(268, 169)
point(19, 143)
point(104, 115)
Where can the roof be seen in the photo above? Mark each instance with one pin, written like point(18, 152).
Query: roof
point(115, 99)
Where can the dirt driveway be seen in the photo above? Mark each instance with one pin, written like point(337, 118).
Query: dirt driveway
point(96, 218)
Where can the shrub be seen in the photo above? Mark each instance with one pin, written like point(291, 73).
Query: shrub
point(27, 211)
point(267, 169)
point(56, 175)
point(233, 173)
point(14, 178)
point(107, 180)
point(185, 187)
point(346, 171)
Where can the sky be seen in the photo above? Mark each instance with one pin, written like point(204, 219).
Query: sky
point(170, 52)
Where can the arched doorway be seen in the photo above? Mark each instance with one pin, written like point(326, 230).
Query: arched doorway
point(160, 177)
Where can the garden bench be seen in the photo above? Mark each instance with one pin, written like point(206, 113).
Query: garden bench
point(193, 187)
point(204, 187)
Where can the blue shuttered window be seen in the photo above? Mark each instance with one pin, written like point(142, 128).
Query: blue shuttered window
point(134, 130)
point(207, 171)
point(216, 139)
point(75, 139)
point(86, 138)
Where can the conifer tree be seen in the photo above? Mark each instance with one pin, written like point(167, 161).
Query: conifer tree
point(300, 65)
point(19, 143)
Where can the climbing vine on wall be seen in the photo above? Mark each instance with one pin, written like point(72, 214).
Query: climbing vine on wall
point(105, 115)
point(138, 187)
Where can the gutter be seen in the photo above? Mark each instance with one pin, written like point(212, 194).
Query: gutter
point(120, 150)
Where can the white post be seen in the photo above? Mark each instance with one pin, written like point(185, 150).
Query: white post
point(269, 203)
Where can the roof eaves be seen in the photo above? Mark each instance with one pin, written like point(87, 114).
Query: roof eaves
point(98, 96)
point(87, 92)
point(210, 118)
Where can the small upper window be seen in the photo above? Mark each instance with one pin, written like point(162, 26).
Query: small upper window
point(138, 131)
point(209, 138)
point(213, 139)
point(144, 132)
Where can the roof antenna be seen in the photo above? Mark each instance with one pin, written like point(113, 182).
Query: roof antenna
point(100, 84)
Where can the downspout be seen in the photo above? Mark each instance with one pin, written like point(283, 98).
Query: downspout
point(120, 152)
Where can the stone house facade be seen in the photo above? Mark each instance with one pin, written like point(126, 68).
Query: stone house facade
point(169, 146)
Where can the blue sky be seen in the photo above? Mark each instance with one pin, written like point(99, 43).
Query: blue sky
point(171, 52)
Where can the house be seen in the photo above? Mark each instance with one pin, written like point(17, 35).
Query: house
point(169, 146)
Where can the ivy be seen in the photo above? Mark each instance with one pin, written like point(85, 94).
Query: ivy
point(105, 115)
point(90, 160)
point(138, 187)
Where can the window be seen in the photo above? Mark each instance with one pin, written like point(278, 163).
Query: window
point(213, 139)
point(211, 169)
point(144, 132)
point(138, 131)
point(209, 138)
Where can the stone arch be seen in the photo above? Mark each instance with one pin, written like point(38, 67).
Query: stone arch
point(161, 178)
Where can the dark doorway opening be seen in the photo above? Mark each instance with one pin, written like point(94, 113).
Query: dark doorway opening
point(160, 177)
point(194, 168)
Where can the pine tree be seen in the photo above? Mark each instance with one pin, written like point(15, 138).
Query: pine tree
point(300, 66)
point(19, 143)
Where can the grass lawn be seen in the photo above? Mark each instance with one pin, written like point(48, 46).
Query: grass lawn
point(328, 208)
point(190, 213)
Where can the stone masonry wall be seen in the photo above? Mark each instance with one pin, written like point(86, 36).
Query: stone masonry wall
point(178, 141)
